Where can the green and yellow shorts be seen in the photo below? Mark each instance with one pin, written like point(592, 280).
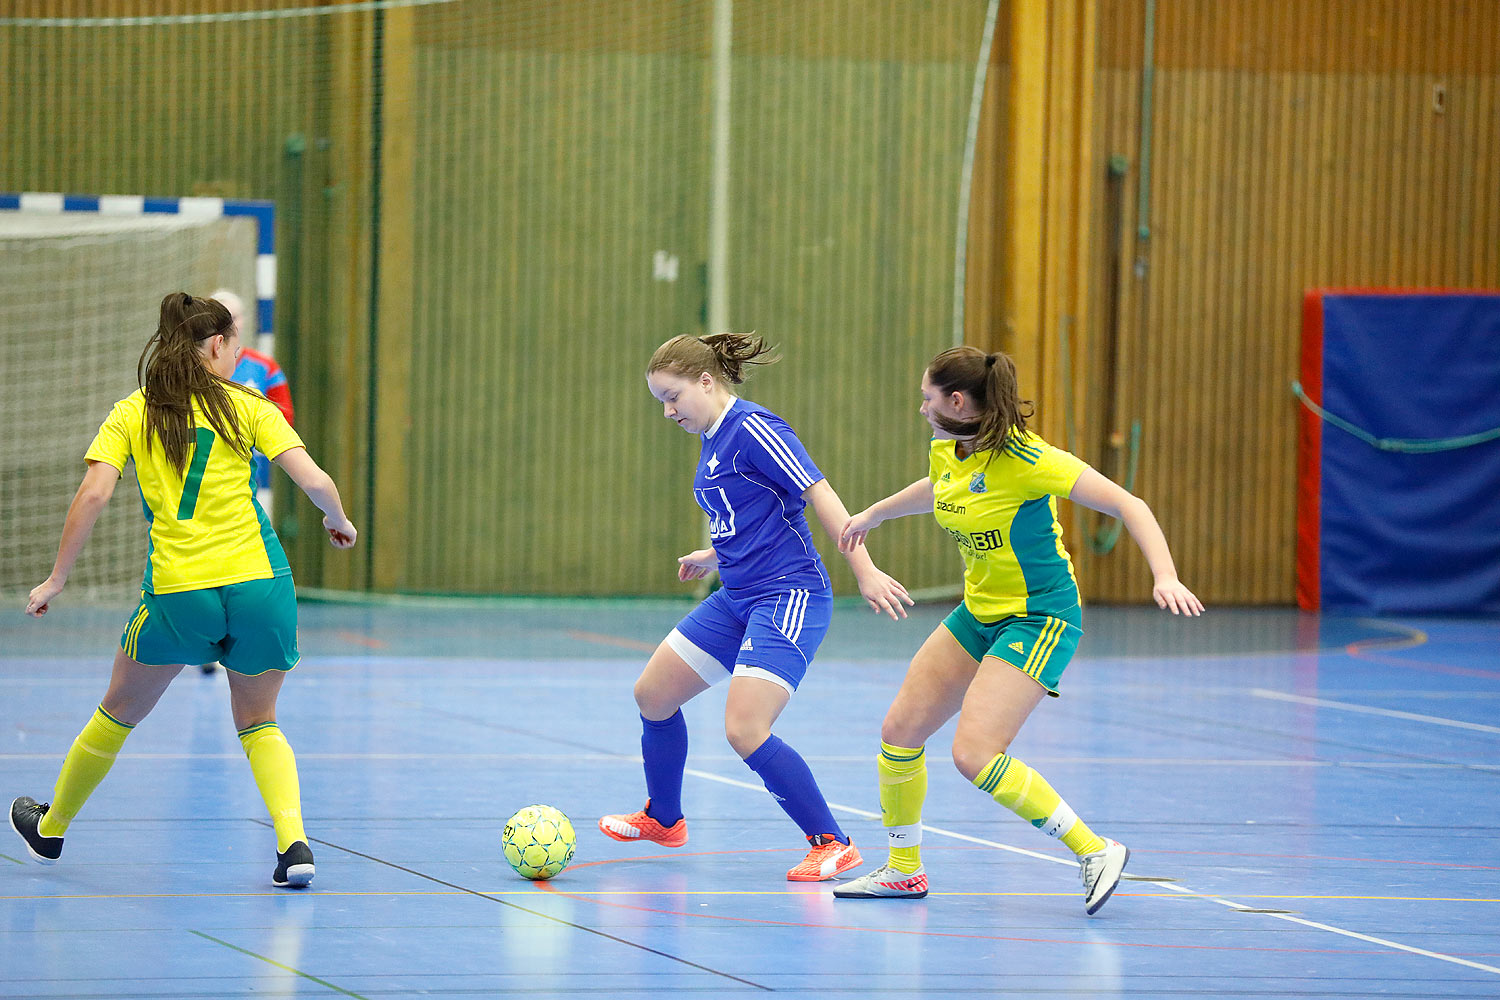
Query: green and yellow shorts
point(1040, 646)
point(249, 627)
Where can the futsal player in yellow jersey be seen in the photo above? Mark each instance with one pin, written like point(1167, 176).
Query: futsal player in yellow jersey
point(993, 486)
point(217, 584)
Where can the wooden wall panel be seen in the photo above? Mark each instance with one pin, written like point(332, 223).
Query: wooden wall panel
point(1294, 147)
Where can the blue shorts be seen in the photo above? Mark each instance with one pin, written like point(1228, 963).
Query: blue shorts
point(772, 635)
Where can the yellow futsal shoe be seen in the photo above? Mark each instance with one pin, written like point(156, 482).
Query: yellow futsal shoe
point(827, 859)
point(640, 826)
point(1101, 873)
point(886, 882)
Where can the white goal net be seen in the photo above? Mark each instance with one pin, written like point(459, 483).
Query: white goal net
point(79, 295)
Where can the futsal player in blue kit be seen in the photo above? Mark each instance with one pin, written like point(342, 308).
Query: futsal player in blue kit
point(762, 627)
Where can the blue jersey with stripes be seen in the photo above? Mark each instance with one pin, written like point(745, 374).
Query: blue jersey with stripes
point(751, 476)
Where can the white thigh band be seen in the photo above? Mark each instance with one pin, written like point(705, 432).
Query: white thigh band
point(705, 666)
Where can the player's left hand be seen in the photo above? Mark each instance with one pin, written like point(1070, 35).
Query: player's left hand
point(697, 565)
point(1171, 595)
point(41, 596)
point(884, 593)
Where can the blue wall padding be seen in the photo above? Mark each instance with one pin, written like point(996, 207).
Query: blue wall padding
point(1412, 533)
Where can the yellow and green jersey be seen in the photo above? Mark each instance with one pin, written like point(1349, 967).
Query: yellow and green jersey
point(206, 528)
point(1002, 508)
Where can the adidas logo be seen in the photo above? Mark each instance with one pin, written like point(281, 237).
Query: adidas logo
point(1017, 647)
point(946, 478)
point(746, 645)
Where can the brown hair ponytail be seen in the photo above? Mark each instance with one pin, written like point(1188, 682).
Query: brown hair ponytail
point(989, 381)
point(172, 374)
point(722, 355)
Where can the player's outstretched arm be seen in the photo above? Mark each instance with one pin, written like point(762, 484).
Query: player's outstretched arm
point(320, 489)
point(88, 503)
point(882, 592)
point(1098, 492)
point(915, 499)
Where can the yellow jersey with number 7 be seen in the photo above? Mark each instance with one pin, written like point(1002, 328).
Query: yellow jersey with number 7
point(1000, 506)
point(206, 528)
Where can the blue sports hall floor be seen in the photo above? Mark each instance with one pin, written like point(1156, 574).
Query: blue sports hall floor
point(1313, 807)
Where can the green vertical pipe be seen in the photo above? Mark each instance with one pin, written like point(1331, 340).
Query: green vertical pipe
point(1148, 88)
point(289, 295)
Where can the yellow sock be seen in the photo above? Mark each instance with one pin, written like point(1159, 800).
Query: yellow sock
point(88, 761)
point(275, 771)
point(903, 788)
point(1026, 793)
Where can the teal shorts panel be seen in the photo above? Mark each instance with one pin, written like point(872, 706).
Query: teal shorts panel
point(249, 627)
point(1040, 646)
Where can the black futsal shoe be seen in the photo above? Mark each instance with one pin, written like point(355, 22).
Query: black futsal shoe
point(25, 816)
point(294, 866)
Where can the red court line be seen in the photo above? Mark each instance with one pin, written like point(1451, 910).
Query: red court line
point(1442, 668)
point(360, 640)
point(611, 640)
point(1141, 850)
point(548, 888)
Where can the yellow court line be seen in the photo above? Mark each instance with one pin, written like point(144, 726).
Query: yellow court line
point(722, 892)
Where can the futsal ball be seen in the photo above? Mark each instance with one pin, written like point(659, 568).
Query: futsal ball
point(539, 842)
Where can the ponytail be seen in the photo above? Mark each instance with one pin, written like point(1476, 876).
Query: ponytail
point(172, 374)
point(722, 355)
point(989, 381)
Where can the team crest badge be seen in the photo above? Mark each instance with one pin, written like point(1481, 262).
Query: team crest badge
point(976, 485)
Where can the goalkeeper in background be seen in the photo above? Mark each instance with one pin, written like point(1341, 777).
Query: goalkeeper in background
point(260, 372)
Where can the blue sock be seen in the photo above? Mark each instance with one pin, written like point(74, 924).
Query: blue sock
point(664, 751)
point(791, 783)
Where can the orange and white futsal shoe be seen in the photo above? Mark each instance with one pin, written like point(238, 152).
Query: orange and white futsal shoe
point(886, 882)
point(827, 859)
point(639, 826)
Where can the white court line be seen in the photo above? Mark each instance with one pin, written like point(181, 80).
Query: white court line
point(1389, 713)
point(1335, 930)
point(1174, 886)
point(873, 815)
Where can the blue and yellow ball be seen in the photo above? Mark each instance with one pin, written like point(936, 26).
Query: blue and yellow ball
point(539, 842)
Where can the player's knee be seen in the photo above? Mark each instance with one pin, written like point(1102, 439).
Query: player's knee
point(745, 735)
point(972, 756)
point(897, 732)
point(652, 702)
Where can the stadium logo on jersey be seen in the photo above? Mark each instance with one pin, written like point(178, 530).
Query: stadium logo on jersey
point(953, 508)
point(976, 485)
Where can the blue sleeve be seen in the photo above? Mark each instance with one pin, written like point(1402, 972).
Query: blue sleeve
point(774, 450)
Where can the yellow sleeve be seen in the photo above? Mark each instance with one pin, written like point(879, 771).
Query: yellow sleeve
point(269, 430)
point(112, 444)
point(1056, 471)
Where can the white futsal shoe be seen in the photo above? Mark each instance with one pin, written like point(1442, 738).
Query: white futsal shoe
point(1101, 872)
